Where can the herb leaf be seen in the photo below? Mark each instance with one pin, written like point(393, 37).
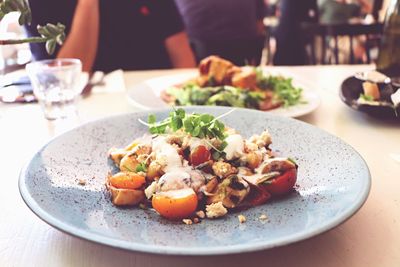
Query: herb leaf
point(197, 125)
point(141, 167)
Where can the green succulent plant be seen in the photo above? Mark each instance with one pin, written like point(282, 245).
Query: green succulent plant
point(50, 34)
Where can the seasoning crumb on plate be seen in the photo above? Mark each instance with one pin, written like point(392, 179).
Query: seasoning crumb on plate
point(263, 217)
point(187, 221)
point(82, 182)
point(241, 218)
point(215, 210)
point(201, 214)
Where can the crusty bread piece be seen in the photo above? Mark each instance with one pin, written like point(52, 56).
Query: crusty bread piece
point(246, 79)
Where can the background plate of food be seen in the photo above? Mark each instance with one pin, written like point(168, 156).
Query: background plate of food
point(373, 93)
point(218, 82)
point(65, 184)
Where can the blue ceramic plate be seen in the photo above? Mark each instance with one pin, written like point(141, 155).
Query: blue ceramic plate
point(333, 183)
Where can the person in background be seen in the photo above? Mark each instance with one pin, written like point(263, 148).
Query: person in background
point(108, 35)
point(341, 11)
point(230, 29)
point(290, 40)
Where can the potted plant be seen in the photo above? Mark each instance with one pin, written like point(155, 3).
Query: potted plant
point(50, 34)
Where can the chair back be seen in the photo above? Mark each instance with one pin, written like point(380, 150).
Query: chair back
point(330, 33)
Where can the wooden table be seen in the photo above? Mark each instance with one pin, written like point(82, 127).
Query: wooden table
point(370, 238)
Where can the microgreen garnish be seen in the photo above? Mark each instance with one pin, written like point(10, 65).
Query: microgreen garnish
point(197, 125)
point(141, 167)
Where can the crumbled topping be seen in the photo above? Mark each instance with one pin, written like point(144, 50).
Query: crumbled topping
point(241, 218)
point(263, 217)
point(150, 190)
point(82, 182)
point(215, 210)
point(201, 214)
point(223, 169)
point(187, 221)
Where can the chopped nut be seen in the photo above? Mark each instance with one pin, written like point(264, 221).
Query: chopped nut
point(187, 221)
point(263, 217)
point(196, 220)
point(82, 182)
point(201, 214)
point(216, 210)
point(241, 218)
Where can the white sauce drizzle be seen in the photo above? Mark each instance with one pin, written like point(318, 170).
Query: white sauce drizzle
point(235, 146)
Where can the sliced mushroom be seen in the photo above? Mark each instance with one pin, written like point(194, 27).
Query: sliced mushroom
point(231, 192)
point(278, 165)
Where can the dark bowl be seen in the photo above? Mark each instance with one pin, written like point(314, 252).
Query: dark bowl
point(350, 91)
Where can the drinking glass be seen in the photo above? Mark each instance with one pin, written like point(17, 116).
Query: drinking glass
point(56, 83)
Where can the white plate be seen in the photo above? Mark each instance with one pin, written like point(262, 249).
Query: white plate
point(146, 95)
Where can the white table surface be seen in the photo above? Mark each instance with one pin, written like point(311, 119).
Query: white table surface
point(369, 238)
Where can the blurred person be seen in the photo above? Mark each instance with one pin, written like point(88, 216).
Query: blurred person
point(107, 35)
point(290, 40)
point(341, 11)
point(232, 29)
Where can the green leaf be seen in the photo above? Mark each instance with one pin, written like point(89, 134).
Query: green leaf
point(197, 125)
point(50, 46)
point(366, 97)
point(176, 123)
point(223, 145)
point(152, 119)
point(196, 131)
point(141, 167)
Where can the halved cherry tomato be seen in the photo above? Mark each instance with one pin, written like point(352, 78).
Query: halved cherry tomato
point(282, 184)
point(175, 204)
point(257, 196)
point(199, 155)
point(127, 180)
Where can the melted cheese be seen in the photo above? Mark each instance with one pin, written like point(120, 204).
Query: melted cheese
point(235, 146)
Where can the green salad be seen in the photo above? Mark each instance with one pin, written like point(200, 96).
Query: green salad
point(270, 92)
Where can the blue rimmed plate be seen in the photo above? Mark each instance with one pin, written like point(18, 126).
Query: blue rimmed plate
point(333, 183)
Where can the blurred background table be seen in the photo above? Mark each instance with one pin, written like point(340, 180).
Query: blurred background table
point(370, 238)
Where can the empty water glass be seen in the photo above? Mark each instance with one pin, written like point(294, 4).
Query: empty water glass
point(57, 83)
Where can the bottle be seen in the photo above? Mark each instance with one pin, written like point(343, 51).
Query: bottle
point(389, 51)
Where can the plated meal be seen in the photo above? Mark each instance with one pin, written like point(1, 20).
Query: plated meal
point(64, 184)
point(193, 166)
point(374, 93)
point(221, 83)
